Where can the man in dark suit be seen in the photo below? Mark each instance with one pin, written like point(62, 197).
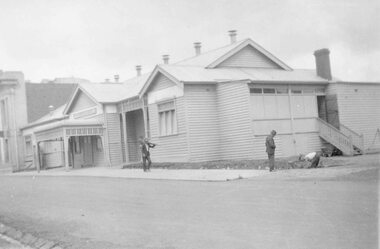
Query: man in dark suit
point(145, 145)
point(271, 147)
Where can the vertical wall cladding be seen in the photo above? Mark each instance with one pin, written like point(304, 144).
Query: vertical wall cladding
point(202, 121)
point(52, 154)
point(173, 148)
point(359, 110)
point(234, 121)
point(114, 141)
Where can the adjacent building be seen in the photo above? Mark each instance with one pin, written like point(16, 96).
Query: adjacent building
point(21, 103)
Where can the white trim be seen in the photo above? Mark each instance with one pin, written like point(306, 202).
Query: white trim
point(153, 75)
point(72, 98)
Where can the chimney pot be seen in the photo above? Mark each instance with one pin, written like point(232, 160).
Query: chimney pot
point(322, 61)
point(138, 70)
point(197, 46)
point(232, 34)
point(116, 78)
point(51, 109)
point(165, 58)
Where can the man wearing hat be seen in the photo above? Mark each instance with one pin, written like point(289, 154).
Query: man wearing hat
point(271, 147)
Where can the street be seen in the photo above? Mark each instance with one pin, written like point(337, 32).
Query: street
point(263, 212)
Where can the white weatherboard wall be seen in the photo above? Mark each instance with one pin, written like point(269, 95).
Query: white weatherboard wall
point(359, 110)
point(248, 57)
point(274, 111)
point(236, 140)
point(114, 138)
point(203, 127)
point(172, 148)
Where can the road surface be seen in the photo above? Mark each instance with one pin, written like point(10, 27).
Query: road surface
point(262, 212)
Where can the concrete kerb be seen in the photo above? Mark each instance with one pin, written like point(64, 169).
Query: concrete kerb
point(26, 239)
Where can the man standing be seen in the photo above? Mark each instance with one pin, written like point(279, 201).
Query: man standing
point(271, 147)
point(145, 145)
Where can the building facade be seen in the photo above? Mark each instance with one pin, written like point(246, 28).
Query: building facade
point(218, 105)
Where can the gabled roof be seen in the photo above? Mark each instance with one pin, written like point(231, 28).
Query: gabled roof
point(159, 69)
point(106, 93)
point(39, 96)
point(213, 58)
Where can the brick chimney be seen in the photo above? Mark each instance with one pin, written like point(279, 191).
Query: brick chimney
point(197, 46)
point(138, 70)
point(165, 58)
point(232, 34)
point(322, 61)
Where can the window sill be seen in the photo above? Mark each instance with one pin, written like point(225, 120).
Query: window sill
point(171, 135)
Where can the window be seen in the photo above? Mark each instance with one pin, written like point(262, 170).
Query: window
point(269, 91)
point(296, 91)
point(28, 146)
point(308, 91)
point(256, 90)
point(281, 90)
point(4, 113)
point(167, 118)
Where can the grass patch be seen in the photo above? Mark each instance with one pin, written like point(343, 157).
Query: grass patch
point(281, 163)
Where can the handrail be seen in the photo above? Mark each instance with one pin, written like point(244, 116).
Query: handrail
point(357, 140)
point(351, 131)
point(335, 137)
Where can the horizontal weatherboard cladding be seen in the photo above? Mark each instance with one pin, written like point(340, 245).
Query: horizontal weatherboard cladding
point(203, 125)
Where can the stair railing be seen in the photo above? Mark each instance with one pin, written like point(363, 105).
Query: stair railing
point(357, 139)
point(335, 137)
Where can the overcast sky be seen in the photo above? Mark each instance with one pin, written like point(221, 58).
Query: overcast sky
point(96, 39)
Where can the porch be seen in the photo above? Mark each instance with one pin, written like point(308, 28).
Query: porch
point(70, 146)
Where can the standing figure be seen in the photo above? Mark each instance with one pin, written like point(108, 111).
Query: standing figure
point(145, 145)
point(271, 147)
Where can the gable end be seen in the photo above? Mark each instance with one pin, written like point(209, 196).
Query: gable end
point(249, 57)
point(80, 102)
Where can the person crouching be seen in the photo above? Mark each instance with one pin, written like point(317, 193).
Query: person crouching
point(312, 157)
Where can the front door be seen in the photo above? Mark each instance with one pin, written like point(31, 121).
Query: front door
point(88, 158)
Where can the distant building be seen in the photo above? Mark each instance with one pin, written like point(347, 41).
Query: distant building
point(217, 105)
point(21, 103)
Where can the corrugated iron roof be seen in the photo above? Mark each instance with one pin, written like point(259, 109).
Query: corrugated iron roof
point(200, 74)
point(209, 57)
point(115, 92)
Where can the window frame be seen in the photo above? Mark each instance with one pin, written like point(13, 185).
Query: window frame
point(165, 115)
point(28, 139)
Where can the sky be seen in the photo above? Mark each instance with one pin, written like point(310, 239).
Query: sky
point(97, 39)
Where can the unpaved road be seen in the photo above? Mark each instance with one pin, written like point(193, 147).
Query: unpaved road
point(321, 208)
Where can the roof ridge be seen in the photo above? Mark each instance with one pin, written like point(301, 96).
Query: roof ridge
point(215, 49)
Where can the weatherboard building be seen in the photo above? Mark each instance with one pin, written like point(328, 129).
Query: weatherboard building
point(216, 105)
